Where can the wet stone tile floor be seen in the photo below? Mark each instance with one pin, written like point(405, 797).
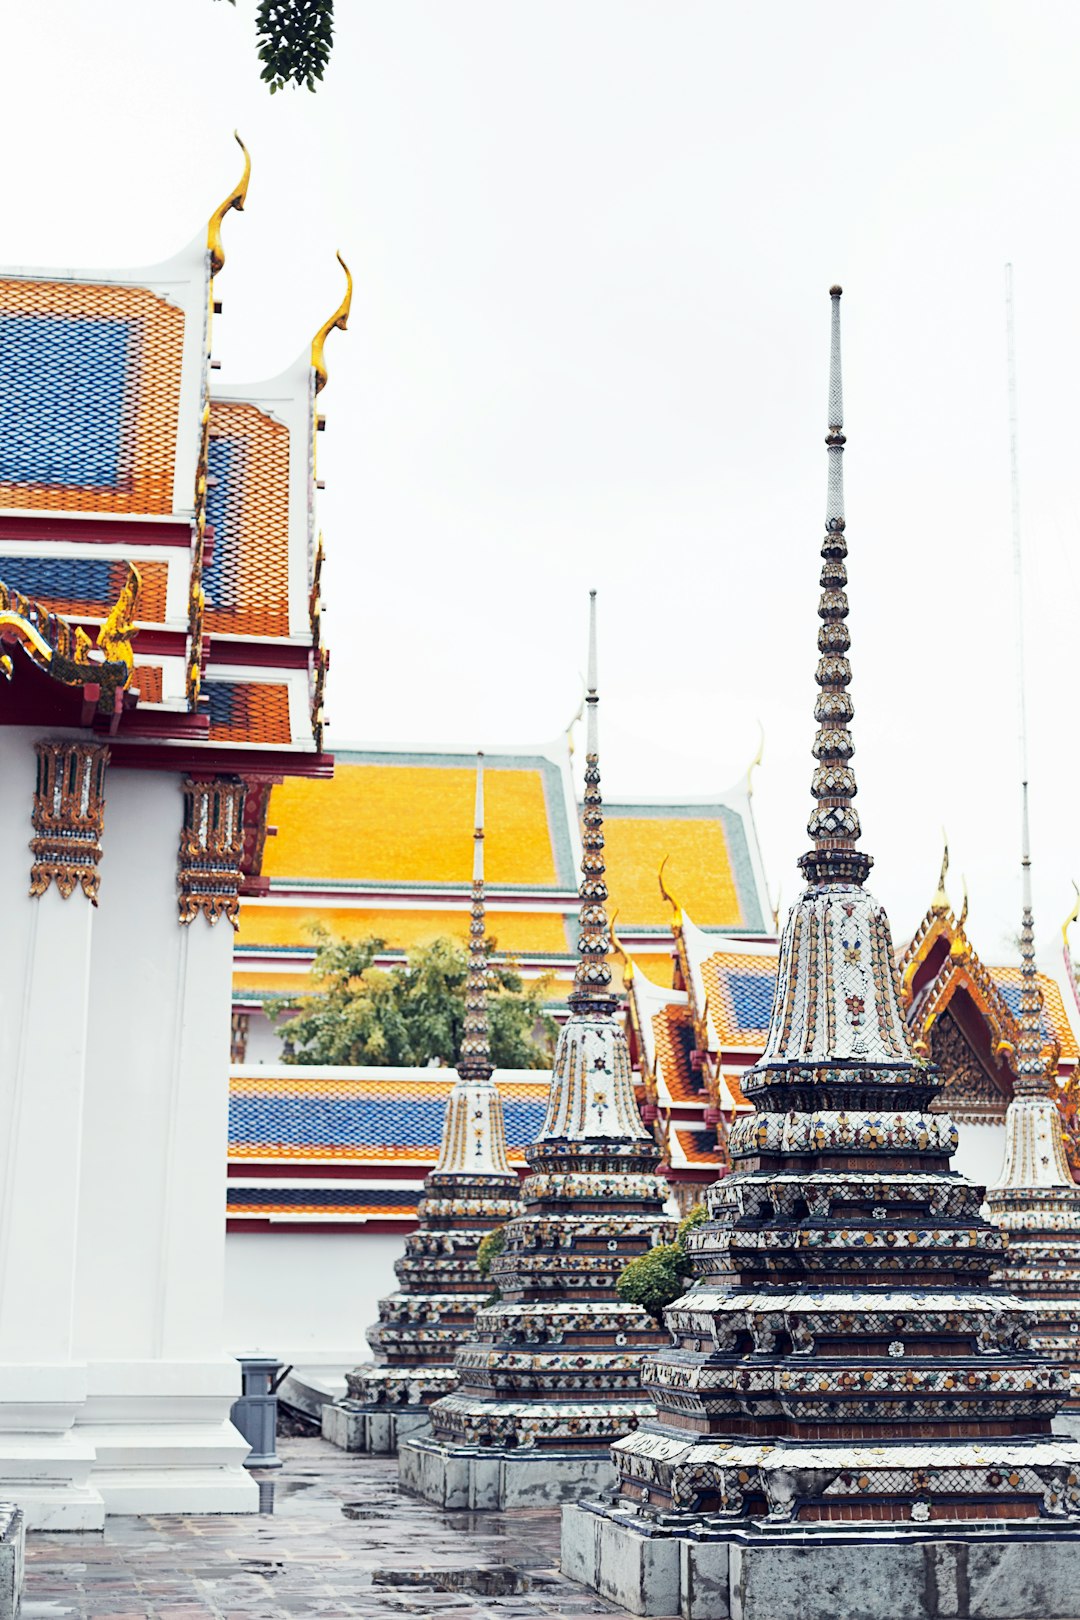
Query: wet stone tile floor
point(343, 1543)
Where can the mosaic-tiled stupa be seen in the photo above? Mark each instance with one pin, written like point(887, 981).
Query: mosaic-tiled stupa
point(470, 1192)
point(553, 1373)
point(1036, 1202)
point(850, 1421)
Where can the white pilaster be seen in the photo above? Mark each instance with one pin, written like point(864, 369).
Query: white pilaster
point(45, 957)
point(149, 1302)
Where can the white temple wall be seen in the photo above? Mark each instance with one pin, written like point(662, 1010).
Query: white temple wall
point(981, 1153)
point(307, 1296)
point(264, 1043)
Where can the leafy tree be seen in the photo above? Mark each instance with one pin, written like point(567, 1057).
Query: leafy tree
point(411, 1014)
point(656, 1278)
point(294, 39)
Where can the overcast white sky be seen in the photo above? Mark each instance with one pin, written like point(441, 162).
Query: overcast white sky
point(592, 242)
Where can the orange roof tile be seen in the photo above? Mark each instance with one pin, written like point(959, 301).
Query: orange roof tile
point(691, 1144)
point(1055, 1018)
point(740, 991)
point(673, 1031)
point(247, 577)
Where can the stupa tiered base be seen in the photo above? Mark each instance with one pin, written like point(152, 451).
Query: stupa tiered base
point(421, 1327)
point(378, 1431)
point(495, 1477)
point(1022, 1570)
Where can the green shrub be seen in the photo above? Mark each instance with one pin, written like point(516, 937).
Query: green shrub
point(490, 1246)
point(656, 1279)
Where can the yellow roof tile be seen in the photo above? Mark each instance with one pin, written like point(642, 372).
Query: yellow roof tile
point(514, 932)
point(699, 870)
point(411, 823)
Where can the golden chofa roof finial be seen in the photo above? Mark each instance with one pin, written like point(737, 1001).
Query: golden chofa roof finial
point(665, 894)
point(236, 199)
point(340, 319)
point(940, 902)
point(1073, 915)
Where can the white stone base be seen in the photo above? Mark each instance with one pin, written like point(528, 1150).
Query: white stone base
point(1031, 1572)
point(48, 1475)
point(161, 1437)
point(372, 1429)
point(480, 1478)
point(12, 1560)
point(44, 1463)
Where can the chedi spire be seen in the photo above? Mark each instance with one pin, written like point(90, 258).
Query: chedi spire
point(848, 1391)
point(834, 821)
point(471, 1191)
point(592, 978)
point(553, 1373)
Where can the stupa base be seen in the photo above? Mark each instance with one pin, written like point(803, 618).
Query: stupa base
point(372, 1429)
point(484, 1477)
point(1031, 1572)
point(12, 1560)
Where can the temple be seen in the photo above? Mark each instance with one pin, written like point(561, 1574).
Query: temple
point(376, 852)
point(694, 1039)
point(552, 1373)
point(470, 1193)
point(850, 1401)
point(161, 667)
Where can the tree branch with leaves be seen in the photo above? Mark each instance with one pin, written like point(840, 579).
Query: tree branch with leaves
point(294, 39)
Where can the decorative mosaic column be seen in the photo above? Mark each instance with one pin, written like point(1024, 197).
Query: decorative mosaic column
point(470, 1192)
point(1036, 1201)
point(552, 1375)
point(43, 1385)
point(849, 1396)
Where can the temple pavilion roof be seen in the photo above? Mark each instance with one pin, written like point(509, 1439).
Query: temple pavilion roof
point(350, 1144)
point(379, 851)
point(118, 451)
point(693, 1037)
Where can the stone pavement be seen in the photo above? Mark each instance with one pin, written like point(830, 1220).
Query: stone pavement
point(343, 1544)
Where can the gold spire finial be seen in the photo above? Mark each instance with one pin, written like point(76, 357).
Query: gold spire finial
point(962, 919)
point(339, 319)
point(236, 199)
point(940, 902)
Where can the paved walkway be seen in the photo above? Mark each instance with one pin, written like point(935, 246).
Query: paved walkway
point(343, 1544)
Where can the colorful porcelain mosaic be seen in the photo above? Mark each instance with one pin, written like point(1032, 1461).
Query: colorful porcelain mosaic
point(1035, 1202)
point(557, 1361)
point(471, 1191)
point(847, 1351)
